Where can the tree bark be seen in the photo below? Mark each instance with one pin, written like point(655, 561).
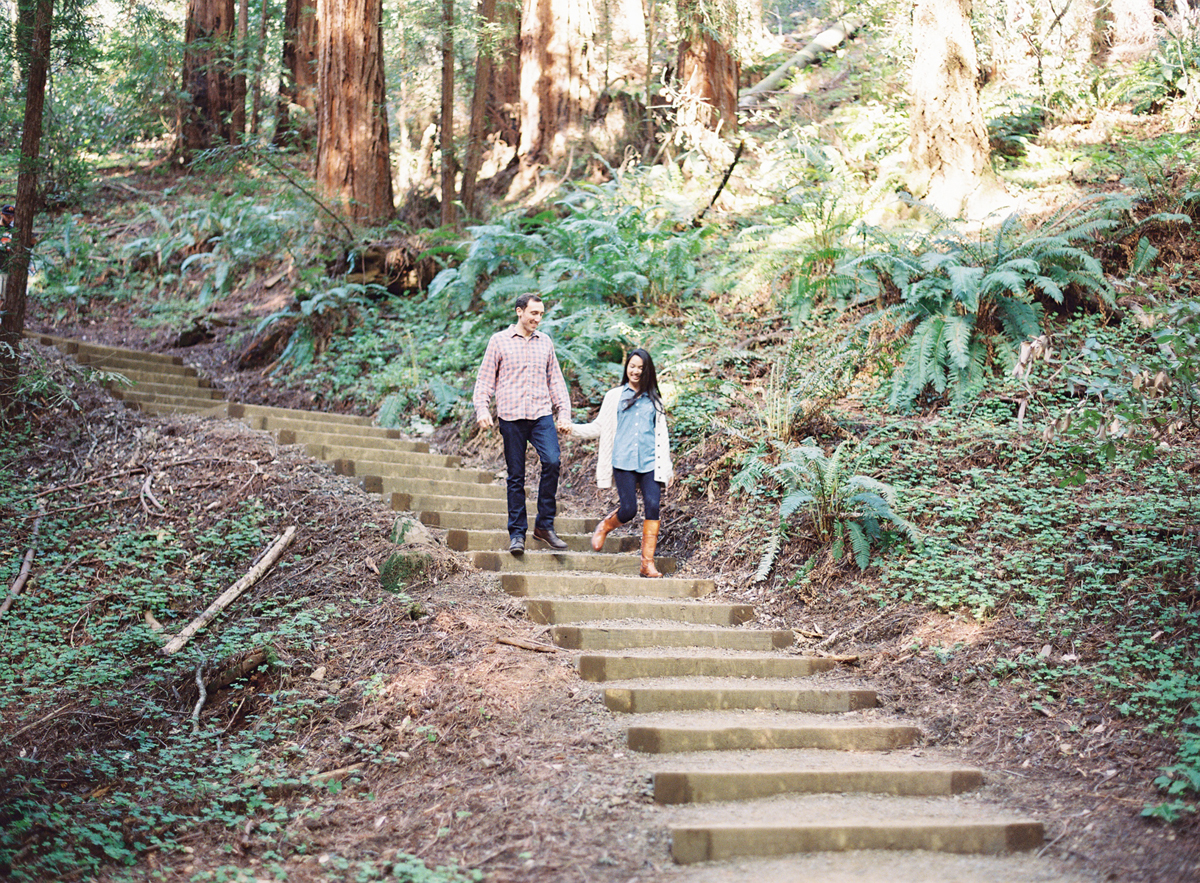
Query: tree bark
point(207, 75)
point(14, 274)
point(353, 162)
point(558, 84)
point(449, 164)
point(949, 144)
point(483, 76)
point(826, 41)
point(298, 79)
point(240, 61)
point(708, 75)
point(260, 50)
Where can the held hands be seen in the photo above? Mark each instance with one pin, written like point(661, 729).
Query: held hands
point(564, 427)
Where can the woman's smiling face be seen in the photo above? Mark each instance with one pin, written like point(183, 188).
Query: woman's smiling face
point(633, 368)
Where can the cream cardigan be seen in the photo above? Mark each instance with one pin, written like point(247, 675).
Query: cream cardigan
point(604, 427)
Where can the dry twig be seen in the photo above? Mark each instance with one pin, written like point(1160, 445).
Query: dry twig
point(26, 566)
point(231, 594)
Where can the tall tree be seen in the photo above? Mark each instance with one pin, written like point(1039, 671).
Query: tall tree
point(298, 79)
point(483, 76)
point(241, 59)
point(208, 74)
point(353, 151)
point(449, 215)
point(949, 142)
point(33, 45)
point(708, 71)
point(558, 83)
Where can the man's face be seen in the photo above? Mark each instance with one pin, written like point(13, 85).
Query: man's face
point(530, 318)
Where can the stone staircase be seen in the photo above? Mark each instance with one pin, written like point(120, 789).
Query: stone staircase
point(757, 754)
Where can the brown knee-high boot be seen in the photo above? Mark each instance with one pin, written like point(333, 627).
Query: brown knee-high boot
point(602, 529)
point(649, 543)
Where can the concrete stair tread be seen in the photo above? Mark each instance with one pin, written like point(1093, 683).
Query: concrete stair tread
point(607, 637)
point(782, 760)
point(963, 823)
point(621, 608)
point(816, 810)
point(877, 866)
point(536, 559)
point(700, 721)
point(602, 585)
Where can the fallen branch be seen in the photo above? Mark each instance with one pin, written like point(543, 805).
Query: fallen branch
point(826, 41)
point(26, 565)
point(203, 697)
point(239, 670)
point(231, 594)
point(729, 171)
point(527, 645)
point(148, 495)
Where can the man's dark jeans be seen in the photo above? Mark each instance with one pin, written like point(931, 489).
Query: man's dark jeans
point(543, 435)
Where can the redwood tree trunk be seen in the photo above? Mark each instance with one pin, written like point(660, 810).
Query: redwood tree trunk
point(353, 163)
point(207, 74)
point(708, 75)
point(240, 61)
point(449, 215)
point(483, 77)
point(298, 80)
point(14, 273)
point(558, 88)
point(949, 144)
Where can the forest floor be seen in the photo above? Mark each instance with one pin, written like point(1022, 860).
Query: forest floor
point(511, 764)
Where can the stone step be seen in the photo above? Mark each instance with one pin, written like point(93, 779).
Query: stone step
point(782, 826)
point(550, 611)
point(598, 668)
point(154, 360)
point(403, 502)
point(383, 465)
point(679, 732)
point(708, 777)
point(320, 420)
point(546, 584)
point(432, 487)
point(146, 389)
point(368, 448)
point(450, 520)
point(690, 695)
point(871, 866)
point(476, 540)
point(70, 347)
point(163, 403)
point(119, 362)
point(197, 407)
point(573, 637)
point(138, 378)
point(538, 558)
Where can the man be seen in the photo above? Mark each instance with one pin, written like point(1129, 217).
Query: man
point(521, 370)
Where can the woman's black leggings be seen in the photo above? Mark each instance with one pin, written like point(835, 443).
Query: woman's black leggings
point(627, 483)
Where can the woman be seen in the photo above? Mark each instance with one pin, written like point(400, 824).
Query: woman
point(635, 452)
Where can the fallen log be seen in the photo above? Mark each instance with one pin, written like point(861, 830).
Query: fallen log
point(826, 41)
point(26, 565)
point(231, 594)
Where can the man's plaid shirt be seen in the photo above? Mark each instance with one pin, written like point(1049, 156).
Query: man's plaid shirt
point(524, 376)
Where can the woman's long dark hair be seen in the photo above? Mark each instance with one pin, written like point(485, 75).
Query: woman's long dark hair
point(648, 385)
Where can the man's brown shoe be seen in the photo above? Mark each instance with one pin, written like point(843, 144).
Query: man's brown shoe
point(516, 545)
point(549, 537)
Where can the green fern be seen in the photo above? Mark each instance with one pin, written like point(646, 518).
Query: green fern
point(963, 299)
point(841, 503)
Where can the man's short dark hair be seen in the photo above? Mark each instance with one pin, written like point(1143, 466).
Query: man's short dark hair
point(523, 300)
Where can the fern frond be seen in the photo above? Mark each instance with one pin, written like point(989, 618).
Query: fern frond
point(770, 553)
point(859, 545)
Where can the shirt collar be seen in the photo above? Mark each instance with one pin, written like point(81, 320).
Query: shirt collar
point(514, 330)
